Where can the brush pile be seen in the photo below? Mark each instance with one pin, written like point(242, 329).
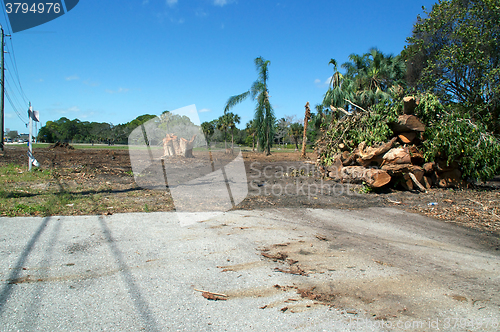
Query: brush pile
point(399, 161)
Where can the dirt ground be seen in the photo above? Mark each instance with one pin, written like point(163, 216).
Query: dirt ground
point(373, 273)
point(281, 180)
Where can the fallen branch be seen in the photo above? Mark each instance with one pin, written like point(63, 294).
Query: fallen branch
point(212, 293)
point(339, 109)
point(353, 104)
point(419, 185)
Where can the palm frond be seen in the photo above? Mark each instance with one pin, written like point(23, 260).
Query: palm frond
point(257, 87)
point(235, 100)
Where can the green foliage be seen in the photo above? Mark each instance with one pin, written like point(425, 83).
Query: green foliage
point(455, 54)
point(208, 129)
point(12, 134)
point(66, 130)
point(296, 131)
point(369, 79)
point(371, 127)
point(454, 136)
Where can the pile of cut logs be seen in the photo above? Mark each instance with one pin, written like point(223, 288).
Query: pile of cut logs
point(384, 164)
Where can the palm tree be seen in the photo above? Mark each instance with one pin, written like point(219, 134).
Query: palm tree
point(264, 115)
point(223, 125)
point(232, 119)
point(374, 76)
point(208, 129)
point(338, 92)
point(250, 129)
point(296, 129)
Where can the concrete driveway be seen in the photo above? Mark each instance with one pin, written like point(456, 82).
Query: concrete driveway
point(278, 270)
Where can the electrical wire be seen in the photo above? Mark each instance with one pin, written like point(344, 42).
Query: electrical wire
point(11, 68)
point(15, 109)
point(16, 71)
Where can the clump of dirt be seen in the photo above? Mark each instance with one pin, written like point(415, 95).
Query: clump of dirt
point(59, 145)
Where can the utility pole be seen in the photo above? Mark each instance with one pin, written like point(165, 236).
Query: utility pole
point(30, 140)
point(2, 88)
point(33, 116)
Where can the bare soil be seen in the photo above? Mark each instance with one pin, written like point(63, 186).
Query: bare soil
point(281, 180)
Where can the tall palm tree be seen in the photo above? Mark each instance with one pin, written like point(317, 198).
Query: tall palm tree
point(264, 118)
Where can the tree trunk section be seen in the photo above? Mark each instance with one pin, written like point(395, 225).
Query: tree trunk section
point(306, 122)
point(175, 146)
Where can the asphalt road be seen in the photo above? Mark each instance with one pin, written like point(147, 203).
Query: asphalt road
point(367, 270)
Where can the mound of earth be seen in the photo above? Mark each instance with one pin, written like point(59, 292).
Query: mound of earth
point(59, 145)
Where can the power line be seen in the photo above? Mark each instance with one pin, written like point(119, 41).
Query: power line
point(18, 90)
point(16, 71)
point(15, 108)
point(14, 96)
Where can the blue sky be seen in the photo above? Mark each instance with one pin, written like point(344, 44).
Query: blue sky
point(111, 61)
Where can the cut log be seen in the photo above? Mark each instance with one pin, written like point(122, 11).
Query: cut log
point(345, 155)
point(175, 146)
point(417, 157)
point(407, 138)
point(367, 153)
point(186, 147)
point(427, 182)
point(416, 182)
point(397, 156)
point(429, 167)
point(351, 159)
point(408, 123)
point(374, 162)
point(409, 104)
point(406, 182)
point(374, 178)
point(335, 170)
point(395, 169)
point(449, 179)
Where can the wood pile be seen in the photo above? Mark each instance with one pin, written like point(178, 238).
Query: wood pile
point(178, 146)
point(398, 162)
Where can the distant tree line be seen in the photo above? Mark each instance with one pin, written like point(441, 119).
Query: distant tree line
point(76, 131)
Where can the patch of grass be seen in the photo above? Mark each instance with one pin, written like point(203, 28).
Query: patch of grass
point(26, 209)
point(16, 173)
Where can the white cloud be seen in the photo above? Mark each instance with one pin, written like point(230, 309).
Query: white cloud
point(204, 110)
point(171, 3)
point(222, 3)
point(72, 78)
point(201, 13)
point(90, 83)
point(321, 84)
point(120, 90)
